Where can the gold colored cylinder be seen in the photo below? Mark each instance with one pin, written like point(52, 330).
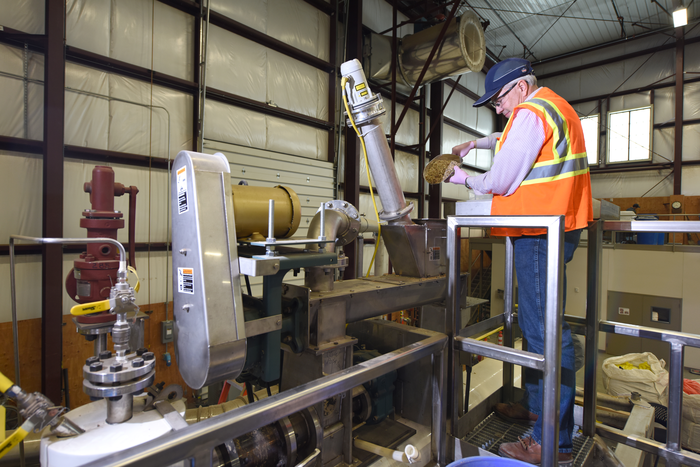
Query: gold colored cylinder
point(250, 209)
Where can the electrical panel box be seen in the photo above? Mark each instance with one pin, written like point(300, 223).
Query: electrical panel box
point(642, 310)
point(166, 331)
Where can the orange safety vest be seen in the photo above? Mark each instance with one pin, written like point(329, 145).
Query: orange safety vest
point(559, 181)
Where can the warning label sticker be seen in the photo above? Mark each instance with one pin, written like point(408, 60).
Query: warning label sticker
point(185, 280)
point(434, 253)
point(360, 87)
point(364, 93)
point(182, 206)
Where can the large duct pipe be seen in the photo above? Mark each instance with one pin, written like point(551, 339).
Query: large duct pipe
point(463, 50)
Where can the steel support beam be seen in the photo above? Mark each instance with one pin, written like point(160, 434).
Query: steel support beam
point(437, 91)
point(217, 19)
point(352, 161)
point(678, 140)
point(332, 77)
point(52, 202)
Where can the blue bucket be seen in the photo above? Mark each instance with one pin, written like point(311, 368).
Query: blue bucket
point(487, 462)
point(649, 238)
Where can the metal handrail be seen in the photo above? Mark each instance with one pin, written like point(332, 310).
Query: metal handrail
point(198, 441)
point(550, 363)
point(672, 451)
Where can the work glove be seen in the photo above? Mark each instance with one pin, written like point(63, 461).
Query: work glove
point(459, 177)
point(463, 149)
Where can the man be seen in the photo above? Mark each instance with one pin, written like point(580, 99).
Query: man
point(540, 168)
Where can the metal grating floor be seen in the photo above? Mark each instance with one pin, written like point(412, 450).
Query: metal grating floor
point(493, 431)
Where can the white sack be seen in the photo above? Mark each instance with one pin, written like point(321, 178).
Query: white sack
point(651, 384)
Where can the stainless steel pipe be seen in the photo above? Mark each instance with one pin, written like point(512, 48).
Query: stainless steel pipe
point(198, 441)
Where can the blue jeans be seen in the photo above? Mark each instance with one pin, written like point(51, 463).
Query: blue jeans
point(531, 269)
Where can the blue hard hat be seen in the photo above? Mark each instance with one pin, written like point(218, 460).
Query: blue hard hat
point(503, 73)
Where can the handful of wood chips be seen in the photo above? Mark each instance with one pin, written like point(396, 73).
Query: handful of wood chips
point(441, 168)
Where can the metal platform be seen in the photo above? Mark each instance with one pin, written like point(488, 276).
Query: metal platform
point(494, 431)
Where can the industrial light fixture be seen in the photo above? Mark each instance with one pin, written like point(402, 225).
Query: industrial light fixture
point(680, 17)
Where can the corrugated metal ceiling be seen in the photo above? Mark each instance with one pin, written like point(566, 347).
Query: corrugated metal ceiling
point(543, 29)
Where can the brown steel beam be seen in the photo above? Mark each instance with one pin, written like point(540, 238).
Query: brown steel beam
point(631, 91)
point(462, 127)
point(353, 26)
point(224, 22)
point(30, 146)
point(52, 203)
point(111, 65)
point(196, 76)
point(607, 61)
point(103, 155)
point(436, 46)
point(437, 92)
point(36, 43)
point(454, 84)
point(332, 78)
point(327, 8)
point(187, 6)
point(250, 104)
point(678, 140)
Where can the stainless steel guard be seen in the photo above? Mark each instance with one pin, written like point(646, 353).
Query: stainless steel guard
point(209, 328)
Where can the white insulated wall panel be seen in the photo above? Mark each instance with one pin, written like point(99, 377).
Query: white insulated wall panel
point(300, 25)
point(691, 58)
point(691, 101)
point(691, 143)
point(630, 101)
point(86, 117)
point(459, 108)
point(665, 105)
point(486, 120)
point(12, 98)
point(129, 123)
point(408, 131)
point(173, 42)
point(21, 182)
point(234, 125)
point(23, 15)
point(236, 65)
point(407, 170)
point(663, 145)
point(131, 31)
point(378, 16)
point(88, 25)
point(296, 86)
point(124, 30)
point(251, 13)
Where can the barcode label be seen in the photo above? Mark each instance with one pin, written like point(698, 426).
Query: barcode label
point(185, 280)
point(182, 205)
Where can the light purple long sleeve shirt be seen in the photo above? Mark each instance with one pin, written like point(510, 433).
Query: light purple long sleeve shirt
point(516, 157)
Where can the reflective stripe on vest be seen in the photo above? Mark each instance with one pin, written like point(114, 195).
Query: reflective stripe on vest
point(565, 164)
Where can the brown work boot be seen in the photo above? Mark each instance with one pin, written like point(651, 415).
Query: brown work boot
point(515, 413)
point(528, 450)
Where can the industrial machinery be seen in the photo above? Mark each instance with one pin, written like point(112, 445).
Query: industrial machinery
point(350, 387)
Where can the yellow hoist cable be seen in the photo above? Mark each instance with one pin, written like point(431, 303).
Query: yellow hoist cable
point(369, 181)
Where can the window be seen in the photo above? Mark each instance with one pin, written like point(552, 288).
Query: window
point(590, 135)
point(629, 135)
